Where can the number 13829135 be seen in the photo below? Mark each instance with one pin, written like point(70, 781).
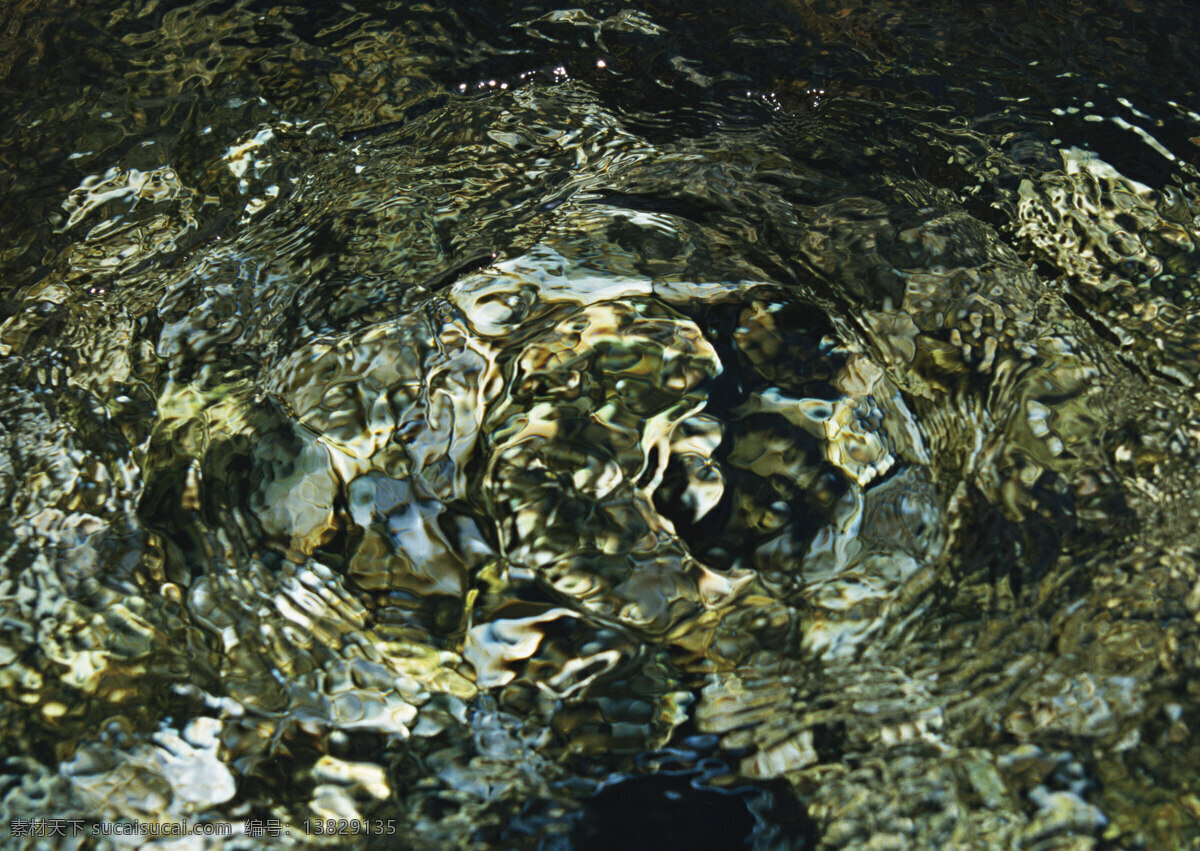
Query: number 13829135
point(349, 827)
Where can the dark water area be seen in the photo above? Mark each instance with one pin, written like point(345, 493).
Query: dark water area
point(497, 425)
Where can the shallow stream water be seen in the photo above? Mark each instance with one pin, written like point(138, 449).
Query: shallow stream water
point(769, 425)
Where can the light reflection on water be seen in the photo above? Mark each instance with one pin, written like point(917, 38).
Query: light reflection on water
point(762, 429)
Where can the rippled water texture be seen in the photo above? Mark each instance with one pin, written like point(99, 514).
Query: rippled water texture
point(673, 426)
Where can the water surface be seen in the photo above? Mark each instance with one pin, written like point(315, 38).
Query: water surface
point(766, 426)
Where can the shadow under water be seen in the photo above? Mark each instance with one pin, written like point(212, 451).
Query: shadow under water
point(769, 426)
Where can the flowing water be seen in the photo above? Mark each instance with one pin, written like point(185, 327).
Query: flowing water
point(771, 425)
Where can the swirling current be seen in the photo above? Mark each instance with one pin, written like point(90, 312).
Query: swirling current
point(633, 425)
